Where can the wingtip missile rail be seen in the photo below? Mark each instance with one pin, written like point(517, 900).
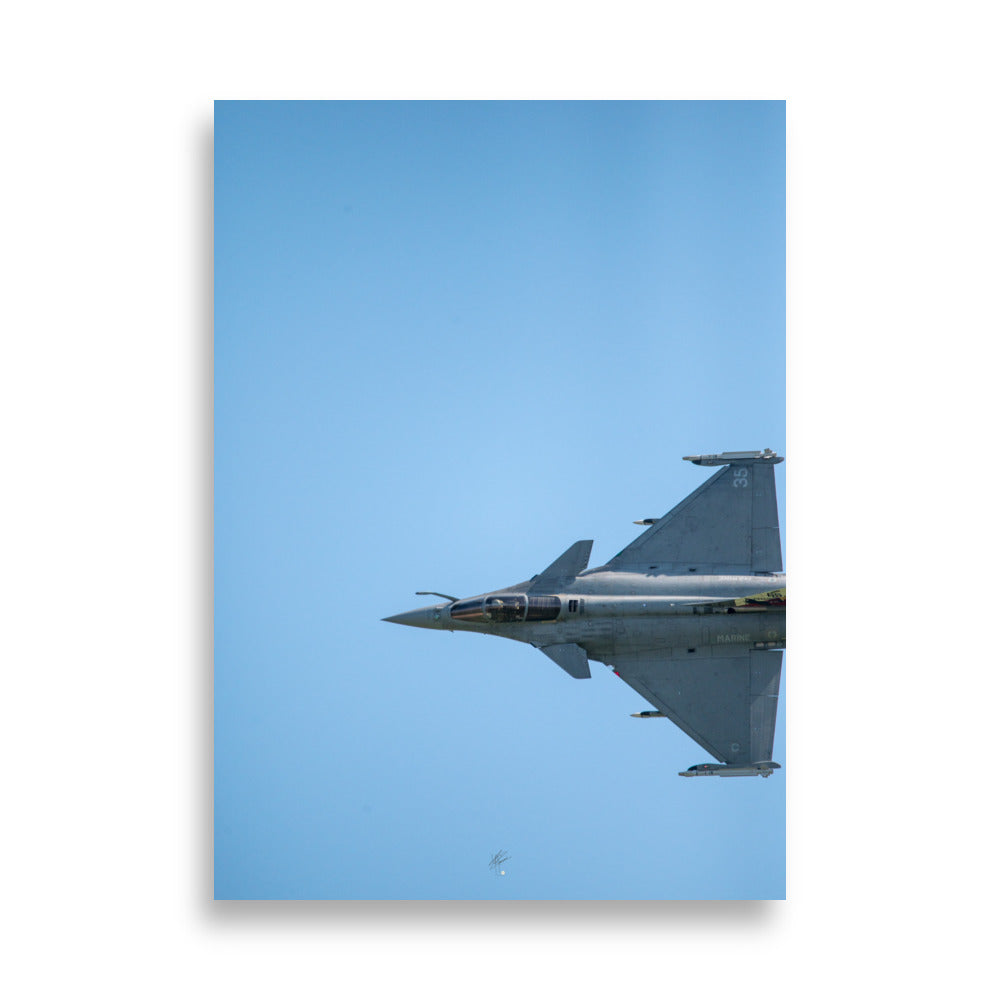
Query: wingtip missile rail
point(765, 768)
point(731, 457)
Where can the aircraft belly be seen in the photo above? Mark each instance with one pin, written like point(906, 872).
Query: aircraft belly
point(595, 635)
point(597, 638)
point(704, 634)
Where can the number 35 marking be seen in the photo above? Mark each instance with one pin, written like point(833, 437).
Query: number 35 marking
point(740, 477)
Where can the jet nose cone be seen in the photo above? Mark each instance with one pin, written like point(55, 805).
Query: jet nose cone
point(429, 617)
point(406, 618)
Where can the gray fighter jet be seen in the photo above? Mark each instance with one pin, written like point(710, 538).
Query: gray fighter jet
point(691, 614)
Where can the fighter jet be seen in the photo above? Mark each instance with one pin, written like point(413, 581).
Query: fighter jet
point(691, 614)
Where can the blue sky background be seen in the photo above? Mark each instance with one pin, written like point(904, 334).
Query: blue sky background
point(450, 340)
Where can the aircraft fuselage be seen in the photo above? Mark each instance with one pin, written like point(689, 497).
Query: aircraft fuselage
point(607, 613)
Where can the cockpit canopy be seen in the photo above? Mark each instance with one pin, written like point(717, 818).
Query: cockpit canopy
point(500, 608)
